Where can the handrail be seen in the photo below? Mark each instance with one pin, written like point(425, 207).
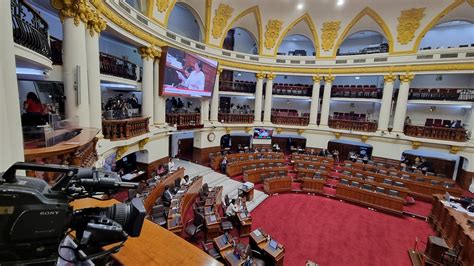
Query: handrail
point(184, 119)
point(441, 133)
point(29, 28)
point(125, 128)
point(237, 86)
point(115, 66)
point(290, 120)
point(442, 94)
point(364, 126)
point(228, 118)
point(354, 92)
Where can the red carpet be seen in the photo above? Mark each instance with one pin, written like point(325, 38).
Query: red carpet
point(419, 208)
point(330, 232)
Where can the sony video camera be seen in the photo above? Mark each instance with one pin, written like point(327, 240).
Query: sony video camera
point(36, 217)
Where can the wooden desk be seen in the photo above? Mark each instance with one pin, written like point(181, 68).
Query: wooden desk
point(272, 256)
point(402, 191)
point(312, 185)
point(254, 175)
point(154, 246)
point(216, 161)
point(245, 224)
point(213, 228)
point(452, 226)
point(277, 185)
point(312, 158)
point(231, 259)
point(304, 172)
point(221, 244)
point(235, 168)
point(248, 193)
point(157, 191)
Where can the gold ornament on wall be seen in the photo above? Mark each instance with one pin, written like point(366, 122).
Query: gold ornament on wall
point(300, 131)
point(162, 5)
point(316, 78)
point(272, 32)
point(121, 152)
point(228, 130)
point(142, 143)
point(220, 20)
point(389, 78)
point(148, 52)
point(408, 23)
point(271, 76)
point(329, 79)
point(279, 130)
point(406, 78)
point(415, 144)
point(260, 75)
point(364, 138)
point(95, 23)
point(338, 135)
point(248, 129)
point(454, 149)
point(330, 30)
point(77, 9)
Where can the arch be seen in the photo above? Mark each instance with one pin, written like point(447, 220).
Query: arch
point(256, 11)
point(349, 37)
point(435, 21)
point(447, 41)
point(252, 36)
point(377, 19)
point(290, 37)
point(192, 11)
point(307, 19)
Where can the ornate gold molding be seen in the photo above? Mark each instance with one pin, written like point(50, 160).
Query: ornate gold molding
point(364, 138)
point(220, 20)
point(142, 143)
point(406, 77)
point(316, 78)
point(300, 131)
point(271, 76)
point(415, 144)
point(329, 79)
point(389, 78)
point(162, 5)
point(329, 34)
point(260, 75)
point(272, 32)
point(279, 130)
point(248, 129)
point(76, 9)
point(454, 149)
point(95, 23)
point(219, 71)
point(120, 152)
point(228, 130)
point(338, 135)
point(408, 23)
point(148, 52)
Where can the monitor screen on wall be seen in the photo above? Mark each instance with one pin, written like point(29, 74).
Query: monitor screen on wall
point(186, 74)
point(262, 133)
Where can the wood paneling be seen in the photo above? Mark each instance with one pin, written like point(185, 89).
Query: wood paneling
point(235, 168)
point(435, 165)
point(216, 161)
point(184, 149)
point(464, 179)
point(255, 175)
point(277, 185)
point(153, 166)
point(157, 191)
point(344, 149)
point(201, 156)
point(371, 198)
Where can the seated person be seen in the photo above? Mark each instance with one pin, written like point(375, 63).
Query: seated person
point(224, 164)
point(167, 196)
point(232, 209)
point(171, 165)
point(185, 181)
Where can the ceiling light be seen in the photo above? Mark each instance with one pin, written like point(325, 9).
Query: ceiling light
point(340, 2)
point(357, 77)
point(300, 6)
point(116, 85)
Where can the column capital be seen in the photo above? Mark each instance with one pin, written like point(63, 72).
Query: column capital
point(407, 77)
point(95, 23)
point(149, 52)
point(329, 79)
point(219, 71)
point(389, 78)
point(271, 76)
point(260, 75)
point(317, 78)
point(76, 9)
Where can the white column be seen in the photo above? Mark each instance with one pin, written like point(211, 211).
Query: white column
point(159, 102)
point(267, 113)
point(402, 101)
point(313, 112)
point(204, 110)
point(258, 98)
point(386, 106)
point(75, 71)
point(148, 55)
point(95, 26)
point(326, 101)
point(215, 98)
point(11, 137)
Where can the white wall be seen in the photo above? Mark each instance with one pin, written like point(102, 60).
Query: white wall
point(371, 109)
point(119, 49)
point(446, 81)
point(182, 22)
point(452, 36)
point(355, 45)
point(293, 79)
point(174, 141)
point(419, 112)
point(244, 42)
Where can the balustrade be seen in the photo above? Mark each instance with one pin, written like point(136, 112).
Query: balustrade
point(290, 120)
point(441, 94)
point(236, 118)
point(364, 126)
point(358, 91)
point(184, 120)
point(441, 133)
point(125, 128)
point(292, 89)
point(238, 86)
point(115, 66)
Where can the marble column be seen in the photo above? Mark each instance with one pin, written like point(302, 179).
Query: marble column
point(402, 102)
point(313, 113)
point(215, 98)
point(267, 113)
point(148, 55)
point(258, 98)
point(326, 100)
point(386, 106)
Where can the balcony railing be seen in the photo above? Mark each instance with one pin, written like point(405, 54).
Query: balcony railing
point(115, 66)
point(29, 29)
point(290, 120)
point(56, 51)
point(184, 120)
point(441, 133)
point(236, 118)
point(125, 128)
point(357, 92)
point(292, 89)
point(355, 125)
point(237, 86)
point(442, 94)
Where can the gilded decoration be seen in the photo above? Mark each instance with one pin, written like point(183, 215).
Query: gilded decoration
point(95, 23)
point(271, 76)
point(338, 135)
point(142, 143)
point(330, 30)
point(454, 149)
point(316, 78)
point(220, 20)
point(415, 144)
point(408, 23)
point(76, 9)
point(260, 75)
point(272, 32)
point(329, 79)
point(149, 52)
point(406, 78)
point(121, 152)
point(389, 78)
point(364, 138)
point(162, 5)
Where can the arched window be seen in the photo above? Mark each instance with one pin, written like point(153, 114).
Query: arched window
point(451, 34)
point(184, 21)
point(240, 40)
point(296, 44)
point(139, 5)
point(363, 42)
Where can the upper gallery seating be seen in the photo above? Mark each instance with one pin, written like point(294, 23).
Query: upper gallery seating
point(438, 129)
point(356, 91)
point(292, 89)
point(441, 94)
point(237, 86)
point(371, 49)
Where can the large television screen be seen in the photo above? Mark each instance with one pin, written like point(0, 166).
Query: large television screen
point(262, 133)
point(186, 74)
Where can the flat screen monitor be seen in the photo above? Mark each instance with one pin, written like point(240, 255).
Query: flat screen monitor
point(186, 74)
point(262, 133)
point(273, 244)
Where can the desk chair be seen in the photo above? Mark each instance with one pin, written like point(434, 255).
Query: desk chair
point(387, 181)
point(317, 175)
point(367, 187)
point(452, 255)
point(435, 182)
point(359, 175)
point(226, 224)
point(194, 226)
point(344, 182)
point(281, 173)
point(448, 185)
point(210, 249)
point(380, 190)
point(279, 164)
point(370, 178)
point(158, 215)
point(420, 179)
point(393, 193)
point(398, 184)
point(354, 184)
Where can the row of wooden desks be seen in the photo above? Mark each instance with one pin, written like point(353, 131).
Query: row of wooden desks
point(181, 203)
point(216, 161)
point(237, 168)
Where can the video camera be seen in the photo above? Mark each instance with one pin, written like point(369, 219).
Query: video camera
point(36, 217)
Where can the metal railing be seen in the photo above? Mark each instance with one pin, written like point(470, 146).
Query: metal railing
point(442, 94)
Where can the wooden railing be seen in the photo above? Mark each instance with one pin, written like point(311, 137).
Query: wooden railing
point(355, 92)
point(184, 120)
point(292, 89)
point(29, 28)
point(115, 66)
point(236, 118)
point(364, 126)
point(237, 86)
point(125, 128)
point(441, 133)
point(290, 120)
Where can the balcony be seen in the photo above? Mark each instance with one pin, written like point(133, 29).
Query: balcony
point(359, 91)
point(184, 120)
point(355, 125)
point(290, 120)
point(125, 128)
point(118, 67)
point(440, 133)
point(56, 51)
point(292, 89)
point(30, 30)
point(451, 94)
point(237, 86)
point(227, 118)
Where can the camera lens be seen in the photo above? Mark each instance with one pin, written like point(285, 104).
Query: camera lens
point(119, 213)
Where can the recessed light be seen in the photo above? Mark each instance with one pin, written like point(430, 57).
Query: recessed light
point(340, 2)
point(357, 77)
point(300, 6)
